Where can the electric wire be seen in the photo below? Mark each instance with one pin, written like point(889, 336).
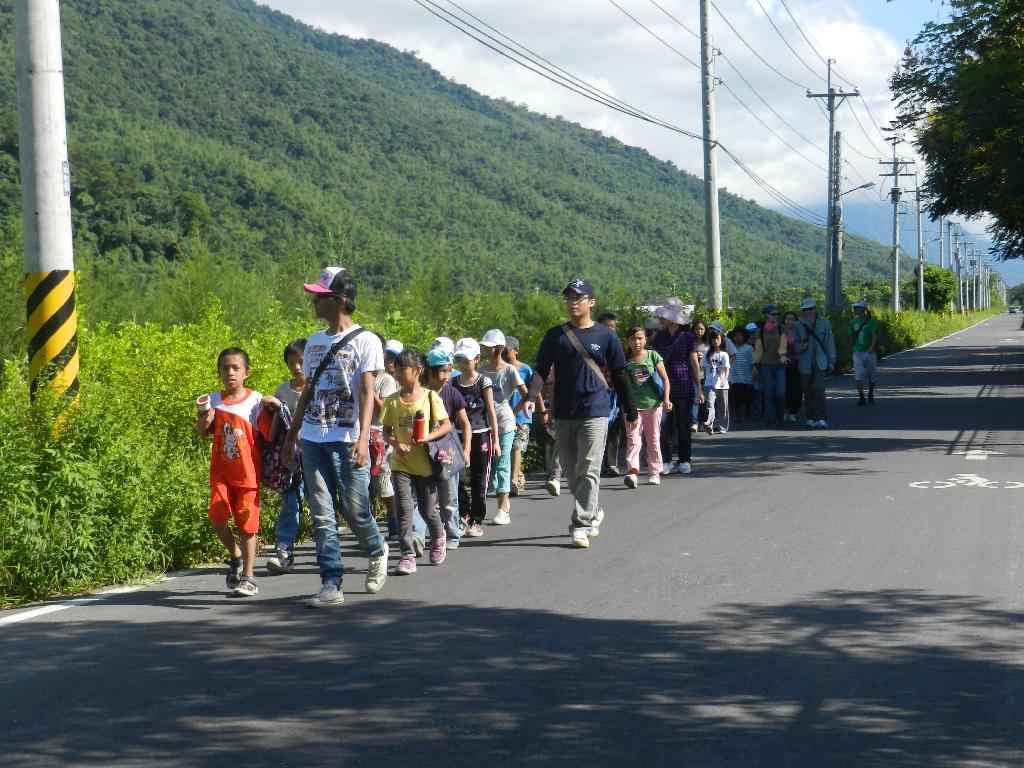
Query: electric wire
point(803, 34)
point(761, 58)
point(655, 35)
point(464, 27)
point(746, 82)
point(677, 21)
point(862, 129)
point(616, 104)
point(551, 66)
point(784, 40)
point(753, 114)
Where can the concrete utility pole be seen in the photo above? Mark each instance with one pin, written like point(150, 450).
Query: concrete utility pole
point(833, 100)
point(920, 248)
point(51, 324)
point(898, 168)
point(712, 235)
point(942, 260)
point(837, 228)
point(954, 257)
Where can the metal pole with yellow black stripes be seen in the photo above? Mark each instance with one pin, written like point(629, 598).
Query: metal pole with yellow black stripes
point(51, 321)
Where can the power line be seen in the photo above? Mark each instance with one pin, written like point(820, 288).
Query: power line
point(677, 21)
point(554, 67)
point(862, 130)
point(873, 121)
point(559, 80)
point(762, 59)
point(803, 34)
point(655, 35)
point(769, 128)
point(754, 91)
point(784, 40)
point(464, 27)
point(730, 90)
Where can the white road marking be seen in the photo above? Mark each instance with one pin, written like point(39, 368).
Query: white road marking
point(976, 454)
point(43, 610)
point(966, 481)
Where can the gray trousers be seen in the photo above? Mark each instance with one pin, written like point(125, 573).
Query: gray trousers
point(813, 385)
point(426, 494)
point(580, 449)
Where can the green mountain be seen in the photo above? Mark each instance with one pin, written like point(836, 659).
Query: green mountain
point(225, 121)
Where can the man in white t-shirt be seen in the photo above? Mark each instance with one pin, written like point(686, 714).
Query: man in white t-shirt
point(334, 434)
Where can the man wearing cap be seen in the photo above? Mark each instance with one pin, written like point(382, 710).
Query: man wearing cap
point(770, 365)
point(813, 338)
point(579, 352)
point(678, 347)
point(333, 432)
point(863, 335)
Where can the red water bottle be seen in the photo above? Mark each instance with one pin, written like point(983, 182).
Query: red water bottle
point(419, 427)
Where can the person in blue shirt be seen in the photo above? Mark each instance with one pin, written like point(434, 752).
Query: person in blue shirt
point(523, 421)
point(579, 352)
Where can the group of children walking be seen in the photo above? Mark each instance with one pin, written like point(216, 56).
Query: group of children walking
point(417, 400)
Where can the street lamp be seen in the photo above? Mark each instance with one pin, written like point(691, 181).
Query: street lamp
point(835, 301)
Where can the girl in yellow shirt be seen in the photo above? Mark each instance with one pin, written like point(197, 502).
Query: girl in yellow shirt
point(411, 468)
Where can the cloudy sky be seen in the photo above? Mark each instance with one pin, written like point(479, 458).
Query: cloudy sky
point(764, 115)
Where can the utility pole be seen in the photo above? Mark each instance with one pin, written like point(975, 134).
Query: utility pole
point(920, 247)
point(712, 235)
point(51, 323)
point(833, 100)
point(837, 228)
point(898, 168)
point(942, 261)
point(954, 256)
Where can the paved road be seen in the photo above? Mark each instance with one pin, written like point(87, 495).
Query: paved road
point(794, 602)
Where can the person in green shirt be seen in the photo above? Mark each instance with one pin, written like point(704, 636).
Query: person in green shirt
point(644, 368)
point(863, 335)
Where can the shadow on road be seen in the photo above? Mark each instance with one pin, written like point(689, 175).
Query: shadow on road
point(893, 678)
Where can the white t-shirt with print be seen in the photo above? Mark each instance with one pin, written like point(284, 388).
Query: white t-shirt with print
point(333, 413)
point(715, 365)
point(505, 383)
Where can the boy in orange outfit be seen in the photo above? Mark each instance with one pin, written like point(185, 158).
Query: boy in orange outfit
point(233, 417)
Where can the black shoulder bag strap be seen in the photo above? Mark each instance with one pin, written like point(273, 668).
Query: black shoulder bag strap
point(584, 354)
point(310, 388)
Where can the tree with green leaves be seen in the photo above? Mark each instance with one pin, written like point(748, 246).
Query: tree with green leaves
point(960, 90)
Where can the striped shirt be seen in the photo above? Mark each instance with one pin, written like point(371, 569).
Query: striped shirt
point(743, 366)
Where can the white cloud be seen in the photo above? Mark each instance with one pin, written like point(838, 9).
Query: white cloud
point(595, 41)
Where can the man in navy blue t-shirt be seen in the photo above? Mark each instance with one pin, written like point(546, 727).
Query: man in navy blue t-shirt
point(581, 403)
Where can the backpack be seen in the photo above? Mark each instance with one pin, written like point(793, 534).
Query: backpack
point(276, 476)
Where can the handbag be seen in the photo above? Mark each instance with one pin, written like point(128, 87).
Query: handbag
point(274, 475)
point(656, 382)
point(446, 455)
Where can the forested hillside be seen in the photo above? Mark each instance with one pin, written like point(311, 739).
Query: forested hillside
point(225, 123)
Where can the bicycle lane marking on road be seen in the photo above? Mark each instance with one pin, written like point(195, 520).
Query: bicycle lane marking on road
point(966, 480)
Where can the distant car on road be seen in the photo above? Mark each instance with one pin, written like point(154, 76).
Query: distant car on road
point(1013, 310)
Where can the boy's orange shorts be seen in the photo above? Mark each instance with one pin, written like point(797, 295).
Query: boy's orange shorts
point(242, 504)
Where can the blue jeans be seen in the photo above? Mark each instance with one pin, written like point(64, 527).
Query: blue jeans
point(501, 468)
point(448, 501)
point(773, 389)
point(334, 485)
point(287, 528)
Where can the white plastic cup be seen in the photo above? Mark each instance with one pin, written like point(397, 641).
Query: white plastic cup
point(203, 403)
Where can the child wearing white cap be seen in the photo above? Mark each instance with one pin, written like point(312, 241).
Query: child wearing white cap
point(505, 380)
point(476, 391)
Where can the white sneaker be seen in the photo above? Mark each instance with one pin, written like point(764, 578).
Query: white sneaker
point(581, 538)
point(554, 487)
point(822, 424)
point(693, 427)
point(811, 423)
point(631, 481)
point(595, 524)
point(684, 468)
point(669, 468)
point(330, 594)
point(654, 480)
point(377, 571)
point(501, 518)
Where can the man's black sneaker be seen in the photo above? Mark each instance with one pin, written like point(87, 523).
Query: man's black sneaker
point(234, 577)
